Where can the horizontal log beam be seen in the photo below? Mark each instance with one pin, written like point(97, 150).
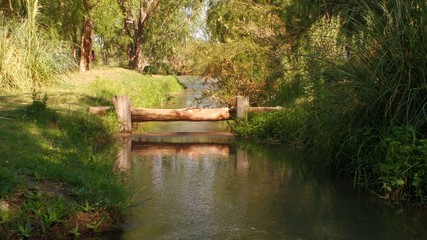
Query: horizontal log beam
point(102, 110)
point(184, 114)
point(99, 110)
point(265, 109)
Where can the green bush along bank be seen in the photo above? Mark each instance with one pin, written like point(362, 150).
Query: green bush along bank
point(355, 92)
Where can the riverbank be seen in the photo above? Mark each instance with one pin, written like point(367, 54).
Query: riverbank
point(387, 161)
point(57, 166)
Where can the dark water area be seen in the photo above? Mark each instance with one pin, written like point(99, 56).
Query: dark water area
point(213, 187)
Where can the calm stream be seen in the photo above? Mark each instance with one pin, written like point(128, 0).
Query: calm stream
point(210, 187)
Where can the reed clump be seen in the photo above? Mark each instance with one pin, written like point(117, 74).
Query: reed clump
point(29, 56)
point(366, 108)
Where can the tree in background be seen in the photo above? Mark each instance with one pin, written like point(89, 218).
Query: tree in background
point(135, 19)
point(154, 29)
point(243, 49)
point(86, 37)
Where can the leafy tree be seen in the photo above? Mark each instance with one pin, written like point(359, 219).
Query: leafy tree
point(153, 27)
point(244, 48)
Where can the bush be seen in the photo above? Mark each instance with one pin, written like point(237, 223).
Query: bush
point(287, 126)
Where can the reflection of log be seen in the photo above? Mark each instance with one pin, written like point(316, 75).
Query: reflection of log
point(184, 114)
point(99, 110)
point(123, 161)
point(194, 150)
point(183, 137)
point(242, 163)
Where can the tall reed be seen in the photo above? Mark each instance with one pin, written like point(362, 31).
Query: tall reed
point(29, 57)
point(364, 93)
point(378, 98)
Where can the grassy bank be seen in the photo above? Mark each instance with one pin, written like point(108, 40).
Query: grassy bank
point(56, 171)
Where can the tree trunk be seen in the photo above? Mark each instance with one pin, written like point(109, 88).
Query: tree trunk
point(86, 45)
point(138, 61)
point(134, 26)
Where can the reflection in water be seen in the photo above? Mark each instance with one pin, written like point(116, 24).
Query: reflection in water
point(193, 151)
point(123, 159)
point(229, 192)
point(197, 190)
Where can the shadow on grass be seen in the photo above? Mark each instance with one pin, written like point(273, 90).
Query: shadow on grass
point(69, 149)
point(95, 101)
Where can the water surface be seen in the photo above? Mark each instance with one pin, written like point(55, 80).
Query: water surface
point(203, 187)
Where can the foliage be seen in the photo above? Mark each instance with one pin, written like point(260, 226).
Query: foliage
point(29, 56)
point(286, 126)
point(161, 35)
point(243, 49)
point(238, 66)
point(357, 71)
point(381, 87)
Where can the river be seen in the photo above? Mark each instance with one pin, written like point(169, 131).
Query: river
point(198, 186)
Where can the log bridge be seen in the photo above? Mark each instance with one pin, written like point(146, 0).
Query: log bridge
point(127, 114)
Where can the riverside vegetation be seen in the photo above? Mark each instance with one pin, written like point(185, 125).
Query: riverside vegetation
point(57, 161)
point(351, 74)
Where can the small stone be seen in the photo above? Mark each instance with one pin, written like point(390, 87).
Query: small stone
point(4, 206)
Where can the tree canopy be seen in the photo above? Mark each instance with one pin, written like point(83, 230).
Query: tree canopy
point(141, 32)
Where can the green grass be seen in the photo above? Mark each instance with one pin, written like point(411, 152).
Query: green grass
point(57, 161)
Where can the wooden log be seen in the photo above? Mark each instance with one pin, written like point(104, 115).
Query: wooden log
point(242, 105)
point(122, 106)
point(102, 110)
point(265, 109)
point(184, 114)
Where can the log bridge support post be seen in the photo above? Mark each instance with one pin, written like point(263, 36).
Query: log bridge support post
point(122, 106)
point(127, 114)
point(242, 107)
